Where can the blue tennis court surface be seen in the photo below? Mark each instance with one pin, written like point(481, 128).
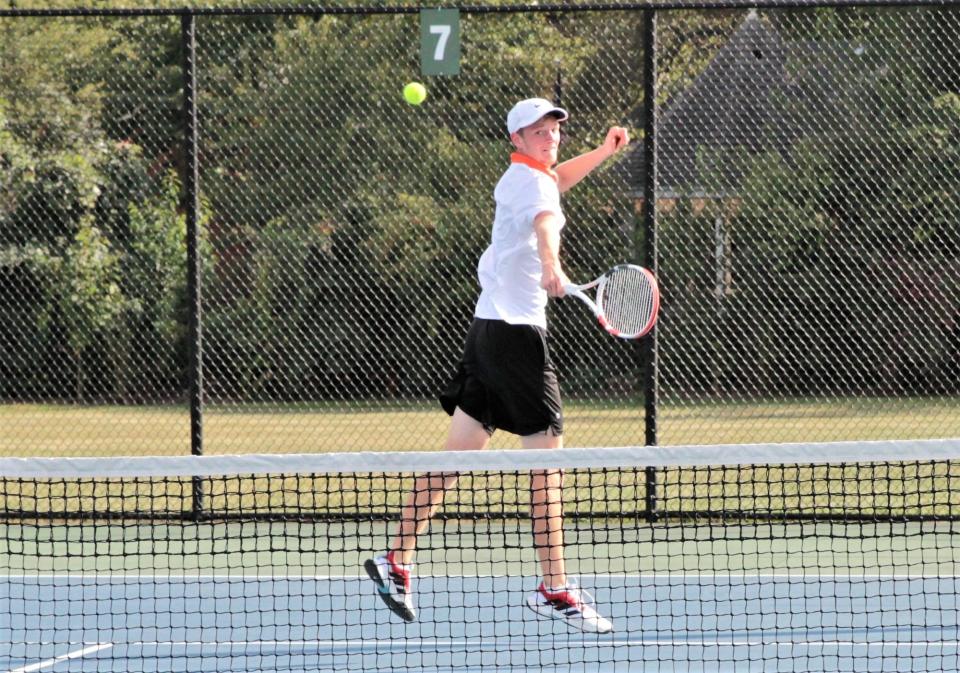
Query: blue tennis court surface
point(668, 623)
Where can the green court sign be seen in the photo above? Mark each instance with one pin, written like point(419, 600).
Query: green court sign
point(440, 42)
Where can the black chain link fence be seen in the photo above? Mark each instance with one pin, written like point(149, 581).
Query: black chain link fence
point(807, 225)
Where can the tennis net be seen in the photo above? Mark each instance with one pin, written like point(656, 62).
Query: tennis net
point(814, 557)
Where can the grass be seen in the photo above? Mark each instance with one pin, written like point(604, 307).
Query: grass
point(880, 490)
point(72, 430)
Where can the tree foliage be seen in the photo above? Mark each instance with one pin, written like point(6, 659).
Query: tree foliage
point(316, 175)
point(842, 249)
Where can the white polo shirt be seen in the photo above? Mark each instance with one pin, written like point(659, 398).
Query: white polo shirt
point(510, 271)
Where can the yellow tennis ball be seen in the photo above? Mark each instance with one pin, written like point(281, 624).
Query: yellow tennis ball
point(414, 93)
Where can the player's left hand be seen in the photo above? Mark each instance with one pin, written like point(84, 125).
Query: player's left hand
point(617, 138)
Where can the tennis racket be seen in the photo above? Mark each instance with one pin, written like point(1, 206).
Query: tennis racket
point(628, 300)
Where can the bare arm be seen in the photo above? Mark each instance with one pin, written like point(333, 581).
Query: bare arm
point(548, 247)
point(574, 170)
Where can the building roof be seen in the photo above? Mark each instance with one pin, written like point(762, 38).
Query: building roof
point(746, 101)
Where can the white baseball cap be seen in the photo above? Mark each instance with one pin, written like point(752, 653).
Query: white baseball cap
point(528, 111)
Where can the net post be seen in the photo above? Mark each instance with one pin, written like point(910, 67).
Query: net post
point(649, 350)
point(558, 84)
point(191, 207)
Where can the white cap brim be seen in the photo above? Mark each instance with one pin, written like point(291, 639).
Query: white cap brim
point(530, 111)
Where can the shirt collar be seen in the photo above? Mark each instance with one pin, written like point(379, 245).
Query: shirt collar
point(519, 158)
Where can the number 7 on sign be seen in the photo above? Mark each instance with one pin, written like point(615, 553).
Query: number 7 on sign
point(444, 33)
point(440, 42)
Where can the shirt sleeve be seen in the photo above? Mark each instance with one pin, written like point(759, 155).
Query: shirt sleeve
point(539, 195)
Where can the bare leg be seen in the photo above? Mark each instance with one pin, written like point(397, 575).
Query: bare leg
point(466, 433)
point(546, 511)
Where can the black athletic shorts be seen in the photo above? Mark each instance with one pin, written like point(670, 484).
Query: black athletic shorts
point(506, 379)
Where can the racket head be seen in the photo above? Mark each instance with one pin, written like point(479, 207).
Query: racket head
point(628, 299)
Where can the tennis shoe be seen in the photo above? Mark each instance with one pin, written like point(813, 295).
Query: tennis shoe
point(393, 585)
point(571, 604)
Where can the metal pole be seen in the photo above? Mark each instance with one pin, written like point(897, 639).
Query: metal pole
point(191, 182)
point(558, 84)
point(650, 383)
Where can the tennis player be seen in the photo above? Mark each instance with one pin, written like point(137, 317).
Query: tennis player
point(506, 378)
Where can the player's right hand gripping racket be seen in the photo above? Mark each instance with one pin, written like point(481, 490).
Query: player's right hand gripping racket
point(628, 300)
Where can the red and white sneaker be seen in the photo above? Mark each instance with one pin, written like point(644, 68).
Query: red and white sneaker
point(571, 604)
point(393, 585)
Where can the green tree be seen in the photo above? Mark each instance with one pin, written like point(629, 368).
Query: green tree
point(83, 296)
point(69, 193)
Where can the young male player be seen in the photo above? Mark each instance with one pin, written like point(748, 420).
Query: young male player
point(506, 378)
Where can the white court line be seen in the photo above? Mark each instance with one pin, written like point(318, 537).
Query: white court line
point(405, 643)
point(644, 575)
point(694, 641)
point(76, 654)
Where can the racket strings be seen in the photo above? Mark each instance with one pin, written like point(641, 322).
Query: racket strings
point(628, 301)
